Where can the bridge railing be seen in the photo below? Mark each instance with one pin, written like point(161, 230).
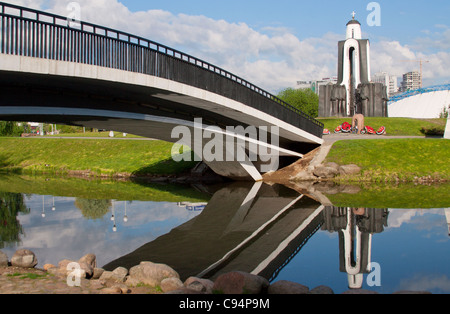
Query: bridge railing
point(32, 33)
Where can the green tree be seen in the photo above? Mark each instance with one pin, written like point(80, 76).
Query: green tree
point(9, 128)
point(304, 99)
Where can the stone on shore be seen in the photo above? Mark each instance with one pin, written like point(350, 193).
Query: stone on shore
point(200, 284)
point(238, 282)
point(24, 259)
point(359, 291)
point(347, 170)
point(171, 284)
point(321, 290)
point(324, 172)
point(287, 287)
point(118, 275)
point(151, 273)
point(89, 259)
point(3, 259)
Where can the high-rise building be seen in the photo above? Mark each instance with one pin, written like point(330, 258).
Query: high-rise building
point(411, 81)
point(390, 81)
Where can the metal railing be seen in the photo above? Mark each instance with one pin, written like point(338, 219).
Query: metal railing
point(32, 33)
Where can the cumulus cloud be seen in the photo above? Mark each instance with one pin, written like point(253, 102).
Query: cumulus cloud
point(272, 57)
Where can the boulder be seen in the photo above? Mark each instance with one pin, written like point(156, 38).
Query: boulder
point(171, 284)
point(287, 287)
point(3, 259)
point(118, 275)
point(238, 282)
point(151, 273)
point(199, 284)
point(359, 291)
point(89, 259)
point(349, 170)
point(24, 258)
point(321, 290)
point(325, 172)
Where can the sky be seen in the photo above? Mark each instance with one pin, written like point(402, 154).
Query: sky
point(274, 44)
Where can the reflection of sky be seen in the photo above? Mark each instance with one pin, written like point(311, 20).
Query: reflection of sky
point(413, 252)
point(65, 233)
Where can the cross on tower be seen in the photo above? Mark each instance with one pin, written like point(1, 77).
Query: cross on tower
point(353, 14)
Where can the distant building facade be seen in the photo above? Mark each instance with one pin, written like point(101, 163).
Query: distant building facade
point(390, 81)
point(411, 81)
point(315, 85)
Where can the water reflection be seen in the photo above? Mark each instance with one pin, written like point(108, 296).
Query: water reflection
point(275, 231)
point(253, 228)
point(355, 226)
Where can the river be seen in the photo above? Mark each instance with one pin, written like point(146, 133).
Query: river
point(380, 238)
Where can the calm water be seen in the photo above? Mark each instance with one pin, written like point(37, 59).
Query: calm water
point(273, 231)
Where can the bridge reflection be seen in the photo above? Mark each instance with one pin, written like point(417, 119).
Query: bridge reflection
point(259, 229)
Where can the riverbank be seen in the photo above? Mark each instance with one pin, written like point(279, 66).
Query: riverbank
point(19, 276)
point(379, 158)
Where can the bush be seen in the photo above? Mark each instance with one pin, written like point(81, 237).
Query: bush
point(304, 99)
point(9, 128)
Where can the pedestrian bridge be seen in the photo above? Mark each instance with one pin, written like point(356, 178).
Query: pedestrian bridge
point(56, 70)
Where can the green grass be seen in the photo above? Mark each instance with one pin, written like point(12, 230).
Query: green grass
point(99, 156)
point(99, 189)
point(395, 159)
point(395, 196)
point(394, 126)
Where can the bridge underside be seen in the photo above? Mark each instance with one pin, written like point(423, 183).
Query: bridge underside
point(114, 103)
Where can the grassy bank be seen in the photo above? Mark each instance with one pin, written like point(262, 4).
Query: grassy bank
point(394, 126)
point(395, 196)
point(100, 189)
point(394, 159)
point(99, 157)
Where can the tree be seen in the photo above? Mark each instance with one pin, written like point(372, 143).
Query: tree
point(8, 128)
point(304, 99)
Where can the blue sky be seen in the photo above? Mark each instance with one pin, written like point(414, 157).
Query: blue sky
point(274, 44)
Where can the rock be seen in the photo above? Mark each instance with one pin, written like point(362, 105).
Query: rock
point(171, 284)
point(349, 170)
point(112, 290)
point(325, 172)
point(359, 291)
point(412, 292)
point(304, 176)
point(24, 259)
point(46, 267)
point(97, 273)
point(199, 284)
point(183, 290)
point(151, 273)
point(118, 275)
point(87, 269)
point(3, 259)
point(240, 283)
point(332, 165)
point(287, 287)
point(321, 290)
point(89, 259)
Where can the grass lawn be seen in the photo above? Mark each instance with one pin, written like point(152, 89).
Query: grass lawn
point(101, 157)
point(395, 196)
point(404, 159)
point(394, 126)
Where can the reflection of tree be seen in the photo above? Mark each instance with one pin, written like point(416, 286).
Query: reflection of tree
point(11, 204)
point(93, 209)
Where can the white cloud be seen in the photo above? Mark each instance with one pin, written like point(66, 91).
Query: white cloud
point(272, 58)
